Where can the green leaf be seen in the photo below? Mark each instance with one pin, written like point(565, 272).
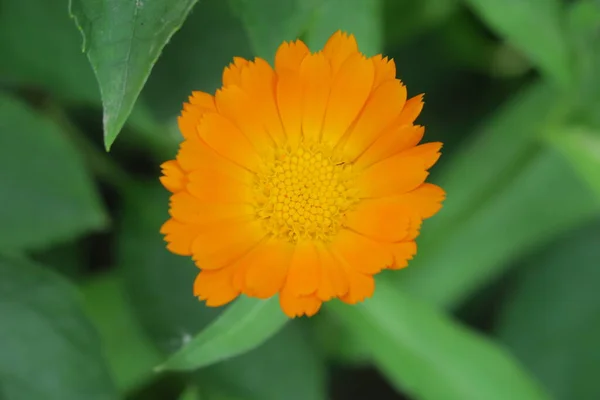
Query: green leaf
point(405, 19)
point(247, 323)
point(41, 49)
point(428, 356)
point(552, 321)
point(130, 354)
point(581, 147)
point(49, 349)
point(537, 28)
point(285, 367)
point(46, 194)
point(270, 22)
point(123, 40)
point(363, 18)
point(502, 202)
point(184, 65)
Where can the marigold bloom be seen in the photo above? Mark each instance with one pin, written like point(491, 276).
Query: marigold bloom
point(304, 180)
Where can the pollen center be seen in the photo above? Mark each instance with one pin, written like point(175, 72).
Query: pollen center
point(304, 194)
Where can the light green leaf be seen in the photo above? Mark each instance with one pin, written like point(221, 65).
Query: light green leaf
point(363, 18)
point(270, 22)
point(130, 354)
point(537, 28)
point(428, 356)
point(581, 146)
point(46, 194)
point(246, 324)
point(552, 320)
point(123, 40)
point(49, 349)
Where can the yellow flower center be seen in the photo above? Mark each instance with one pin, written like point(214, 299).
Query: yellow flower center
point(304, 194)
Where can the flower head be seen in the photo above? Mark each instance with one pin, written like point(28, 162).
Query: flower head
point(303, 180)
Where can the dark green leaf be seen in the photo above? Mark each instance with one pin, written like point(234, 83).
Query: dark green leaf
point(537, 28)
point(130, 354)
point(123, 40)
point(46, 194)
point(184, 65)
point(49, 349)
point(285, 367)
point(405, 19)
point(41, 48)
point(552, 321)
point(269, 22)
point(431, 357)
point(363, 18)
point(243, 326)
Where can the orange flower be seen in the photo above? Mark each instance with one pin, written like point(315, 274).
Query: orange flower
point(304, 180)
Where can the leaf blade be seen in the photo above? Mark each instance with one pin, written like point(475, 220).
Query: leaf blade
point(42, 316)
point(123, 40)
point(415, 345)
point(247, 323)
point(536, 27)
point(71, 203)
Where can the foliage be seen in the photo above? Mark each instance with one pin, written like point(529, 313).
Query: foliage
point(499, 303)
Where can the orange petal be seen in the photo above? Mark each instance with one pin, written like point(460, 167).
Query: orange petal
point(195, 155)
point(180, 236)
point(290, 55)
point(305, 270)
point(267, 268)
point(383, 220)
point(411, 110)
point(236, 105)
point(382, 108)
point(258, 81)
point(361, 253)
point(393, 141)
point(350, 89)
point(199, 104)
point(297, 306)
point(360, 286)
point(429, 152)
point(414, 226)
point(402, 252)
point(213, 186)
point(187, 208)
point(227, 140)
point(173, 178)
point(315, 75)
point(385, 70)
point(232, 74)
point(338, 48)
point(215, 287)
point(333, 282)
point(223, 244)
point(394, 175)
point(289, 102)
point(425, 200)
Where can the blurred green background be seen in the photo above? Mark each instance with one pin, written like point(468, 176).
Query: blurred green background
point(500, 303)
